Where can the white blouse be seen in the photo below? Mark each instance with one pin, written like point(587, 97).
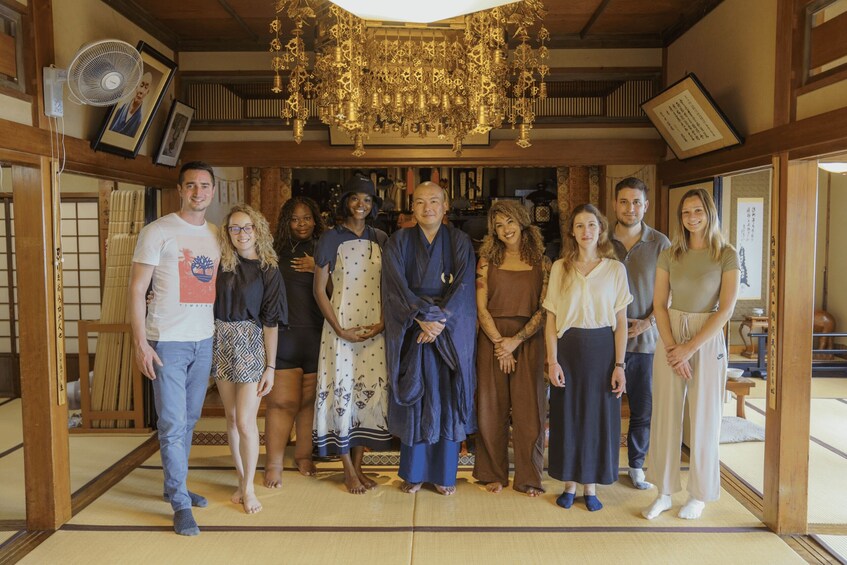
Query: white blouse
point(580, 301)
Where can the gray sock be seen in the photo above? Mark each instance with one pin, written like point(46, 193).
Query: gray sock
point(184, 523)
point(196, 500)
point(638, 481)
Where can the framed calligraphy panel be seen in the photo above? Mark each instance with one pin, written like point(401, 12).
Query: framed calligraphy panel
point(689, 120)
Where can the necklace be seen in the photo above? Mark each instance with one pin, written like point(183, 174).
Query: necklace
point(585, 267)
point(296, 245)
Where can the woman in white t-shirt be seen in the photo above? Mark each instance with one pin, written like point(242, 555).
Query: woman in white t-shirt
point(585, 335)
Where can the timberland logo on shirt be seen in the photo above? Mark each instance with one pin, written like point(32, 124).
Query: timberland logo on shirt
point(203, 268)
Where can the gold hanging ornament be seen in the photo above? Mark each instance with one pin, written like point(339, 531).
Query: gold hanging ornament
point(450, 81)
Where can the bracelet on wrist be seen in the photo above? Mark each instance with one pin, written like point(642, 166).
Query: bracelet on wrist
point(270, 367)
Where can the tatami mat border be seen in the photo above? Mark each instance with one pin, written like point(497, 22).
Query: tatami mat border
point(812, 438)
point(434, 529)
point(11, 450)
point(6, 401)
point(830, 549)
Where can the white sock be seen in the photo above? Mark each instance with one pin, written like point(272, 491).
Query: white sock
point(662, 503)
point(638, 480)
point(692, 509)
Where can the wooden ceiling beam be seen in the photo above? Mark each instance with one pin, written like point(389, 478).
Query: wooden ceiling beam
point(132, 11)
point(225, 5)
point(318, 154)
point(25, 144)
point(593, 19)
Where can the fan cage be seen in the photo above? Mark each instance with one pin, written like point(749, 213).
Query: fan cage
point(116, 59)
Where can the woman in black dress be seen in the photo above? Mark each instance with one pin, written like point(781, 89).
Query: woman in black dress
point(292, 401)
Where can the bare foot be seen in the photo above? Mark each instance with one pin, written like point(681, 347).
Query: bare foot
point(410, 488)
point(306, 467)
point(366, 481)
point(237, 497)
point(251, 503)
point(533, 492)
point(273, 477)
point(447, 491)
point(354, 485)
point(493, 488)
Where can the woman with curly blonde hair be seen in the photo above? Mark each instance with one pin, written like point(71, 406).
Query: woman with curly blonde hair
point(249, 305)
point(586, 336)
point(511, 284)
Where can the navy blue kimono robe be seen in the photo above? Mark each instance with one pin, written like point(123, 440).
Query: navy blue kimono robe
point(431, 385)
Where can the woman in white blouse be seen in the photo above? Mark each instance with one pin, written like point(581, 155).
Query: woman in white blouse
point(585, 338)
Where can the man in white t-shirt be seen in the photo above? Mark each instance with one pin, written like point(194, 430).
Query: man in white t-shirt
point(179, 255)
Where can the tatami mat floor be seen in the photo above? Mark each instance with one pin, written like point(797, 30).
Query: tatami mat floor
point(836, 544)
point(313, 520)
point(90, 455)
point(827, 451)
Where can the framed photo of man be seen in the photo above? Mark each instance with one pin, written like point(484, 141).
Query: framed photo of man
point(176, 128)
point(125, 125)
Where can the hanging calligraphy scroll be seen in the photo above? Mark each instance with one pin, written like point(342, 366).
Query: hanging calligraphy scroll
point(689, 120)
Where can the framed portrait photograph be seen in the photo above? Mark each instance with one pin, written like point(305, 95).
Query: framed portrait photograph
point(176, 128)
point(689, 120)
point(125, 124)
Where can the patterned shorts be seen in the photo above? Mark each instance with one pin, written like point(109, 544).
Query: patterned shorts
point(239, 352)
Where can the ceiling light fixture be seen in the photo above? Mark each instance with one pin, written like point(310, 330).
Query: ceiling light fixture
point(837, 168)
point(416, 12)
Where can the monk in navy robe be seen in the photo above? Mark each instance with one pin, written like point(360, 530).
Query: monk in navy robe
point(429, 304)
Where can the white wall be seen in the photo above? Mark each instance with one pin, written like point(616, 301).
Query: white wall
point(732, 52)
point(837, 283)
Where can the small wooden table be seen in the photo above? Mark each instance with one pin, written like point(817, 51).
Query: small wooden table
point(740, 388)
point(751, 325)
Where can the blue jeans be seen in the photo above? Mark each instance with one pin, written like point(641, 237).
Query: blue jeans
point(179, 391)
point(639, 393)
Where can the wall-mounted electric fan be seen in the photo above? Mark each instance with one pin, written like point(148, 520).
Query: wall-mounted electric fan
point(102, 73)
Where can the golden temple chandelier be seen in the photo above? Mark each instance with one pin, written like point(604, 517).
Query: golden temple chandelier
point(450, 79)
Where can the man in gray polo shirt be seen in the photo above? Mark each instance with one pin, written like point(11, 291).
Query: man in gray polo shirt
point(638, 246)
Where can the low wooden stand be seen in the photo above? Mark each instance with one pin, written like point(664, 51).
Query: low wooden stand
point(135, 414)
point(740, 388)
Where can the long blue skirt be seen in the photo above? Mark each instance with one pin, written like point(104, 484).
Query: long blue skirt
point(435, 463)
point(585, 417)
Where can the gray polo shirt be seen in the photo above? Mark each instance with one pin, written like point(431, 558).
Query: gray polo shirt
point(640, 264)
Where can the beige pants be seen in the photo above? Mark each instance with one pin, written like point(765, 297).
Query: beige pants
point(704, 393)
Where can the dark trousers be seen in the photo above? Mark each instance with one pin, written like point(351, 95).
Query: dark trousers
point(639, 392)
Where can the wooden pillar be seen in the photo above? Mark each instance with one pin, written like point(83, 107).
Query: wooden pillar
point(45, 414)
point(104, 199)
point(791, 309)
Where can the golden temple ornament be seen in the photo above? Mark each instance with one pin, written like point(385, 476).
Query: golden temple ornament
point(449, 79)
